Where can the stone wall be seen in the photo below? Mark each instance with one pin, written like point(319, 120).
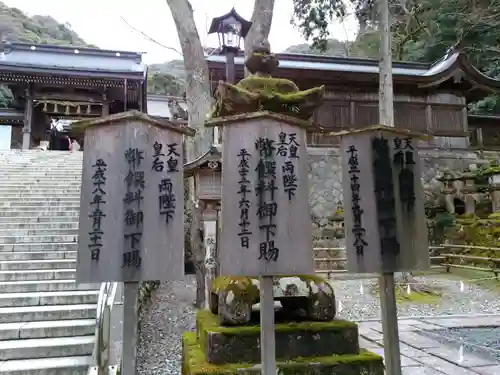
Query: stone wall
point(325, 176)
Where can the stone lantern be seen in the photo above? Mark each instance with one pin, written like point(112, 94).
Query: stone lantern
point(494, 182)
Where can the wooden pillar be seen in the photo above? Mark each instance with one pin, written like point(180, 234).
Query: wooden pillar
point(28, 118)
point(105, 105)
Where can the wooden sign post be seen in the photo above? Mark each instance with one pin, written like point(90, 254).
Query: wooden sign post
point(266, 229)
point(384, 216)
point(131, 209)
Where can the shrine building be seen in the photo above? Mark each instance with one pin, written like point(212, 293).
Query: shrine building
point(428, 97)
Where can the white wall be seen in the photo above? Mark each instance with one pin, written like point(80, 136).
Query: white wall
point(5, 137)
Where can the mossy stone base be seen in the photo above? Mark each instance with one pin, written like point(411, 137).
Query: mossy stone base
point(365, 363)
point(293, 339)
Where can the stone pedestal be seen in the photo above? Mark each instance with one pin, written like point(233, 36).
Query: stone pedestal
point(302, 348)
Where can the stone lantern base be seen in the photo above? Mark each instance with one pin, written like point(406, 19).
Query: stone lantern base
point(302, 348)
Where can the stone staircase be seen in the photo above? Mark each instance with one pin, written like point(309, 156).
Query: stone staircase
point(47, 322)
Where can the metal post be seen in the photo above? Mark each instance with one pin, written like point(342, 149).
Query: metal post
point(267, 337)
point(386, 117)
point(130, 320)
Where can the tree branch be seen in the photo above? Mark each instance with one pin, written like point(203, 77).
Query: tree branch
point(146, 36)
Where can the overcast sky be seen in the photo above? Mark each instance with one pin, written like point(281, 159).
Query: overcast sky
point(99, 22)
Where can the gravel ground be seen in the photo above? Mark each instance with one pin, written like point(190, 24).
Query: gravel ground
point(171, 312)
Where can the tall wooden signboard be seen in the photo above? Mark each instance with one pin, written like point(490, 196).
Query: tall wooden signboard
point(131, 209)
point(384, 214)
point(266, 229)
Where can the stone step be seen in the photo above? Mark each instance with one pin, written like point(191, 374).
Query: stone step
point(36, 213)
point(41, 238)
point(37, 246)
point(40, 212)
point(67, 174)
point(46, 219)
point(46, 347)
point(48, 274)
point(44, 286)
point(46, 181)
point(39, 190)
point(46, 184)
point(63, 198)
point(47, 225)
point(42, 313)
point(77, 365)
point(47, 329)
point(27, 232)
point(28, 196)
point(44, 264)
point(36, 255)
point(40, 205)
point(66, 297)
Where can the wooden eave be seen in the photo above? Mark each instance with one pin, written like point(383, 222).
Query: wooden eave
point(213, 154)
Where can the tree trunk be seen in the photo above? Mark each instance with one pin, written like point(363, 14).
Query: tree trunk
point(198, 92)
point(199, 101)
point(262, 18)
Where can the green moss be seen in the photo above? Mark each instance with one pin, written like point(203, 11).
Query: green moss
point(241, 286)
point(260, 93)
point(487, 171)
point(194, 362)
point(208, 322)
point(267, 85)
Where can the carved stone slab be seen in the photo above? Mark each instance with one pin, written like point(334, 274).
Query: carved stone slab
point(132, 201)
point(265, 215)
point(384, 214)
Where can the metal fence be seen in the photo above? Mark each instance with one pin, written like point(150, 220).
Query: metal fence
point(332, 261)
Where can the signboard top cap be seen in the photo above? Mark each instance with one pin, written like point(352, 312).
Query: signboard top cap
point(228, 120)
point(132, 115)
point(384, 128)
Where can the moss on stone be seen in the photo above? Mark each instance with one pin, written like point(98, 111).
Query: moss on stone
point(267, 85)
point(206, 321)
point(241, 286)
point(264, 93)
point(244, 288)
point(194, 363)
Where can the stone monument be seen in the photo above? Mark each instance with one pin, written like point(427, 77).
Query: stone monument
point(264, 121)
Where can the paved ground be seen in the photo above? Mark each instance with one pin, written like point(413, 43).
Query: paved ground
point(424, 355)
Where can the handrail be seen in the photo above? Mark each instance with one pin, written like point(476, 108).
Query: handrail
point(100, 354)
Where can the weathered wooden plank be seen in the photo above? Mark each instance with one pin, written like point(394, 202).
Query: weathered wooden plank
point(121, 236)
point(375, 218)
point(259, 253)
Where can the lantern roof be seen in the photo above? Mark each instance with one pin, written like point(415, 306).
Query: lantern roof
point(245, 25)
point(213, 155)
